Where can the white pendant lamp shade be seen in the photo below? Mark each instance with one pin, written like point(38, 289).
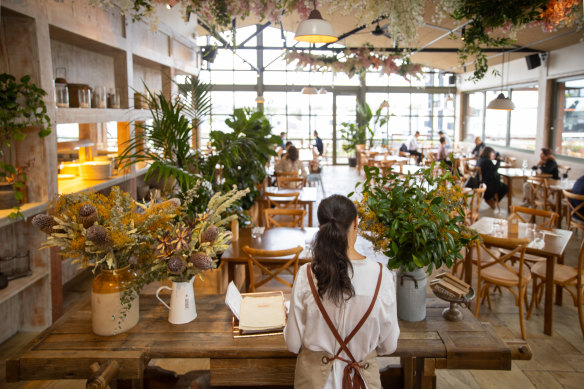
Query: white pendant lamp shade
point(315, 30)
point(322, 91)
point(449, 99)
point(501, 103)
point(260, 99)
point(384, 104)
point(309, 90)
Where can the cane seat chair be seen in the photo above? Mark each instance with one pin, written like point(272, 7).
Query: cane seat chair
point(495, 270)
point(569, 278)
point(280, 217)
point(271, 263)
point(541, 196)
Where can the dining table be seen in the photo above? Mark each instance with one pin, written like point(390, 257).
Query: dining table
point(556, 187)
point(553, 249)
point(308, 196)
point(511, 174)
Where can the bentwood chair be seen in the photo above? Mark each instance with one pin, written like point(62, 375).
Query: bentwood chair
point(271, 263)
point(494, 270)
point(569, 278)
point(473, 204)
point(279, 217)
point(290, 182)
point(575, 214)
point(540, 193)
point(282, 200)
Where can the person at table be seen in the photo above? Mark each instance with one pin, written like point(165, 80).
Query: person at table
point(290, 162)
point(318, 143)
point(346, 287)
point(547, 165)
point(442, 155)
point(283, 141)
point(490, 176)
point(578, 189)
point(412, 146)
point(479, 146)
point(448, 145)
point(282, 151)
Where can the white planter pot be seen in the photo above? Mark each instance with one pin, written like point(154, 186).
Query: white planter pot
point(411, 295)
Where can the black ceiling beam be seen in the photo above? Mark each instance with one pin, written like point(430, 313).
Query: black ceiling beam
point(356, 30)
point(262, 28)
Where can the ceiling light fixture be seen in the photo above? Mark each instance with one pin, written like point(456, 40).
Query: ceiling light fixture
point(309, 90)
point(315, 29)
point(171, 3)
point(384, 104)
point(260, 99)
point(322, 91)
point(449, 99)
point(502, 103)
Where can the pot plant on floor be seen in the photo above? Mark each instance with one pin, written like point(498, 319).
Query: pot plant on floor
point(21, 107)
point(417, 221)
point(115, 237)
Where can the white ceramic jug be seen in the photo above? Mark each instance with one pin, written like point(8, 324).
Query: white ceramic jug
point(182, 302)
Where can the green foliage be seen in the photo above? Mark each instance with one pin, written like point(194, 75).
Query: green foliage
point(21, 106)
point(486, 16)
point(356, 133)
point(416, 220)
point(243, 153)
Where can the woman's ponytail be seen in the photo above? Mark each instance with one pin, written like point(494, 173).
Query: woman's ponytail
point(330, 263)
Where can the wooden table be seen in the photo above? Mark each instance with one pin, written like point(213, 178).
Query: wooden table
point(511, 174)
point(68, 348)
point(407, 169)
point(553, 250)
point(308, 196)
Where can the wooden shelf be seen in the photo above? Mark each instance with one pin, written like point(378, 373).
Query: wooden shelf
point(100, 115)
point(18, 285)
point(29, 209)
point(78, 185)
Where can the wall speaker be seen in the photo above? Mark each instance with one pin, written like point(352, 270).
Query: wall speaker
point(533, 61)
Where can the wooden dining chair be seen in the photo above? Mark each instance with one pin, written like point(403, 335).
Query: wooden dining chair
point(575, 214)
point(286, 174)
point(540, 193)
point(473, 204)
point(279, 217)
point(548, 217)
point(567, 277)
point(494, 270)
point(290, 182)
point(271, 263)
point(282, 200)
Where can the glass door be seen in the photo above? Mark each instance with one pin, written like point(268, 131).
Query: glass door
point(344, 111)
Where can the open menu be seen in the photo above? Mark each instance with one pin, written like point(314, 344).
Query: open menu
point(257, 313)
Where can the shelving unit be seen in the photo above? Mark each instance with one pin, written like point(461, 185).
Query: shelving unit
point(98, 47)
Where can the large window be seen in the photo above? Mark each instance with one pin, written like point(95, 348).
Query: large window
point(514, 129)
point(569, 126)
point(422, 104)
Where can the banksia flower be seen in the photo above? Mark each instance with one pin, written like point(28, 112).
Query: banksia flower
point(176, 265)
point(210, 234)
point(201, 261)
point(100, 237)
point(45, 223)
point(87, 215)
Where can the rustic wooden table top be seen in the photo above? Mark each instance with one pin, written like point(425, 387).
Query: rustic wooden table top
point(308, 194)
point(68, 348)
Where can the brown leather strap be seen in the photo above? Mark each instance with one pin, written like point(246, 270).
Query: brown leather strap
point(352, 364)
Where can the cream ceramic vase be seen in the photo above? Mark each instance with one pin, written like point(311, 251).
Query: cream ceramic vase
point(182, 307)
point(108, 315)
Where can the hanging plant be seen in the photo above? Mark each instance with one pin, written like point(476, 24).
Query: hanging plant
point(356, 61)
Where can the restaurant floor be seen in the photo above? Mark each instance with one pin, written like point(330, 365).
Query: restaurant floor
point(558, 360)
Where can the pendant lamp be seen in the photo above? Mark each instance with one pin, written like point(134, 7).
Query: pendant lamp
point(384, 104)
point(315, 29)
point(322, 91)
point(260, 99)
point(502, 103)
point(309, 90)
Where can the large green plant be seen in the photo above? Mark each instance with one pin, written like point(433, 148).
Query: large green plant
point(166, 142)
point(416, 220)
point(243, 153)
point(356, 133)
point(21, 107)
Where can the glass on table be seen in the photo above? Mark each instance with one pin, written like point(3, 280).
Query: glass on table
point(538, 239)
point(530, 231)
point(256, 232)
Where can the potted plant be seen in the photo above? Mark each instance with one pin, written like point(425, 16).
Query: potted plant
point(242, 154)
point(417, 221)
point(189, 249)
point(21, 107)
point(356, 133)
point(115, 235)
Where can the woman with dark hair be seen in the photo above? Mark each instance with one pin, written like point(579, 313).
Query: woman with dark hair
point(290, 162)
point(490, 176)
point(342, 308)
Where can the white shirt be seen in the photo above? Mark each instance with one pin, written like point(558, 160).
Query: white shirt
point(448, 144)
point(412, 143)
point(307, 328)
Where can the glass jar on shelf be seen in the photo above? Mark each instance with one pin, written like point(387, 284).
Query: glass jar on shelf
point(61, 93)
point(99, 97)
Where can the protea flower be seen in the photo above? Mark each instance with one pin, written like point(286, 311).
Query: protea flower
point(210, 234)
point(176, 265)
point(45, 223)
point(201, 261)
point(87, 215)
point(100, 237)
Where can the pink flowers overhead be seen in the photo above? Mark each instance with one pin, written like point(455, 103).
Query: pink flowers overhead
point(356, 61)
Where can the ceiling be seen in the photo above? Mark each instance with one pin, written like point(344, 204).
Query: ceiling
point(433, 35)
